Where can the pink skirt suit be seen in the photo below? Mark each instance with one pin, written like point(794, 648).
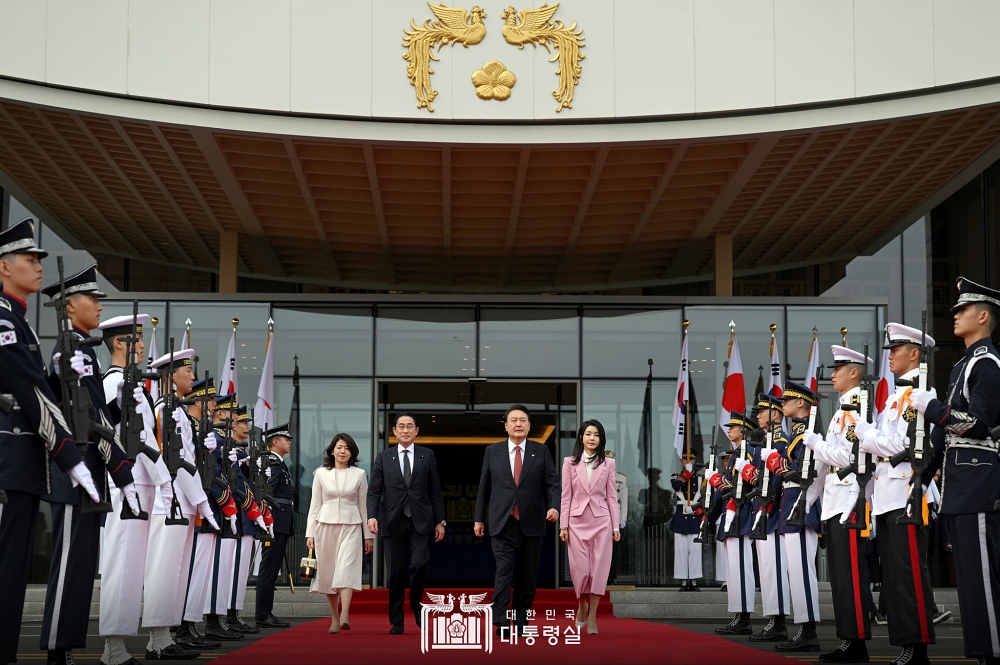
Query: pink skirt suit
point(590, 511)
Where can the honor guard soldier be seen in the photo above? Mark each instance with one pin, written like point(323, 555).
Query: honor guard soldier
point(203, 546)
point(279, 443)
point(33, 431)
point(970, 480)
point(251, 512)
point(772, 564)
point(800, 542)
point(906, 584)
point(76, 528)
point(126, 541)
point(686, 524)
point(735, 522)
point(845, 550)
point(171, 533)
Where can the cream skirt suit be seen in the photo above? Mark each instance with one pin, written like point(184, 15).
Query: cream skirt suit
point(338, 521)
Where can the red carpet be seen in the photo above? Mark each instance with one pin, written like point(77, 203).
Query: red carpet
point(620, 641)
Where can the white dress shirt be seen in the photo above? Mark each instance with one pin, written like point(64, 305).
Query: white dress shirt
point(510, 453)
point(399, 453)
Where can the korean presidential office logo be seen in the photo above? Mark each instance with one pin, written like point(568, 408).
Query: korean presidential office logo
point(442, 627)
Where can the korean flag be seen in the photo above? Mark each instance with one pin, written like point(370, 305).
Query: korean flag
point(8, 337)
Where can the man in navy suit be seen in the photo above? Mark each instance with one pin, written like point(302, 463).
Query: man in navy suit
point(405, 482)
point(519, 482)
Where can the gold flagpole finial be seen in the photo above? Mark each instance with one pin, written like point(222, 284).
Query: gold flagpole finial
point(236, 322)
point(843, 333)
point(154, 321)
point(773, 327)
point(685, 323)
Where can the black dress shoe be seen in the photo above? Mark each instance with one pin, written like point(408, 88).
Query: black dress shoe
point(774, 631)
point(217, 629)
point(60, 657)
point(694, 587)
point(397, 629)
point(172, 652)
point(236, 622)
point(804, 640)
point(271, 622)
point(912, 654)
point(740, 625)
point(851, 651)
point(188, 636)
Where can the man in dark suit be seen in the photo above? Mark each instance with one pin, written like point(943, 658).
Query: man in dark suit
point(519, 482)
point(406, 484)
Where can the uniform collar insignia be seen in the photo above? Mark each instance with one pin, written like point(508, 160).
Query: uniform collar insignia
point(5, 303)
point(980, 351)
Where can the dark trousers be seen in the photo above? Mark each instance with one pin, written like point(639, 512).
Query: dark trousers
point(849, 581)
point(267, 575)
point(906, 581)
point(17, 534)
point(76, 547)
point(517, 557)
point(405, 537)
point(975, 541)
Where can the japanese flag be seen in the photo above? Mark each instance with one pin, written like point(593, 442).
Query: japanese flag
point(884, 387)
point(734, 396)
point(263, 413)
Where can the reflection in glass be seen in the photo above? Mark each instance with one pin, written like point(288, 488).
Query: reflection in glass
point(617, 342)
point(529, 342)
point(860, 322)
point(414, 341)
point(332, 341)
point(211, 330)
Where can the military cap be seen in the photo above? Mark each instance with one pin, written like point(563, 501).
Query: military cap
point(280, 430)
point(737, 419)
point(897, 334)
point(766, 401)
point(200, 389)
point(123, 325)
point(20, 239)
point(794, 390)
point(225, 402)
point(969, 292)
point(845, 356)
point(181, 359)
point(84, 281)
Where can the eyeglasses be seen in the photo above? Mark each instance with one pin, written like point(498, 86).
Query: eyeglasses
point(405, 426)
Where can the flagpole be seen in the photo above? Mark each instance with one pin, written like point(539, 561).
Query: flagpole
point(687, 419)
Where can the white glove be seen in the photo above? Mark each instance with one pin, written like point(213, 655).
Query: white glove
point(167, 494)
point(921, 398)
point(78, 363)
point(730, 516)
point(55, 363)
point(267, 472)
point(233, 456)
point(709, 474)
point(869, 441)
point(206, 514)
point(180, 417)
point(210, 442)
point(852, 499)
point(139, 395)
point(232, 522)
point(740, 463)
point(118, 390)
point(132, 498)
point(80, 475)
point(260, 522)
point(270, 530)
point(811, 439)
point(260, 463)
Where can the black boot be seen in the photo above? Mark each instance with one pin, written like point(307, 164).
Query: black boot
point(217, 629)
point(912, 654)
point(851, 651)
point(236, 622)
point(692, 586)
point(60, 657)
point(804, 640)
point(188, 636)
point(774, 631)
point(740, 625)
point(684, 586)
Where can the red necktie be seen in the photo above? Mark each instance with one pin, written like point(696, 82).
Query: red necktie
point(517, 477)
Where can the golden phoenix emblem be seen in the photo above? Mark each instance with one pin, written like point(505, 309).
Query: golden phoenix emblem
point(454, 25)
point(536, 27)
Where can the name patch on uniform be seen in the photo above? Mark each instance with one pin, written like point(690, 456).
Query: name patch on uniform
point(980, 351)
point(8, 337)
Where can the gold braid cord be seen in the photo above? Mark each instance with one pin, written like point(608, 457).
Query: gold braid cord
point(536, 27)
point(455, 25)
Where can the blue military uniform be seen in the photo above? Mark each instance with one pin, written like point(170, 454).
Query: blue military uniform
point(970, 479)
point(76, 536)
point(245, 544)
point(283, 512)
point(686, 524)
point(31, 435)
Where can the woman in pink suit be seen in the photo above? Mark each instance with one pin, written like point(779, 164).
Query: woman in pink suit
point(589, 518)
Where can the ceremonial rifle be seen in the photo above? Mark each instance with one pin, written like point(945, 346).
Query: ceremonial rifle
point(759, 531)
point(173, 443)
point(204, 458)
point(703, 531)
point(133, 427)
point(861, 462)
point(231, 477)
point(915, 452)
point(740, 496)
point(79, 412)
point(798, 515)
point(259, 486)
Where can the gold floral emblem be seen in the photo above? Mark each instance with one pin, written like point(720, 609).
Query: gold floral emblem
point(493, 81)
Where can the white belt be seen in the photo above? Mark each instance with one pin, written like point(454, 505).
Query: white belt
point(789, 483)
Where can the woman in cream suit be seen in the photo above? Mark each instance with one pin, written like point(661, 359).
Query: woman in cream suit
point(589, 518)
point(337, 523)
